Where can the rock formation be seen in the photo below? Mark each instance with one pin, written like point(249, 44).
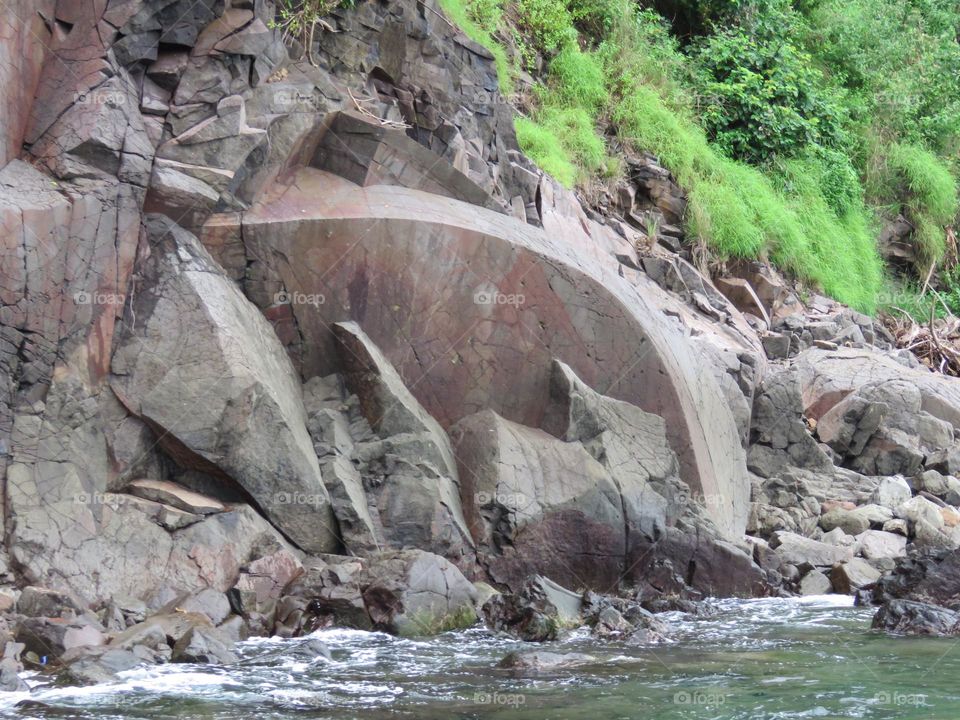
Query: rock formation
point(319, 338)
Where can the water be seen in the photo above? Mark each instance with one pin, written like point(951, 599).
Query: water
point(757, 660)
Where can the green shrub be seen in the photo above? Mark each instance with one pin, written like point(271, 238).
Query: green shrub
point(597, 18)
point(548, 23)
point(761, 97)
point(486, 13)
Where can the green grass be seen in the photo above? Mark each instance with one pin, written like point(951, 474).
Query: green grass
point(931, 195)
point(545, 148)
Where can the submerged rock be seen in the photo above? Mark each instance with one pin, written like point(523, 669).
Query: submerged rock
point(539, 660)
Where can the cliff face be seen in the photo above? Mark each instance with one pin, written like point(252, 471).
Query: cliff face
point(339, 306)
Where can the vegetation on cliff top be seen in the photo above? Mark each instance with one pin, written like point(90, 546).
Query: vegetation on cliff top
point(797, 129)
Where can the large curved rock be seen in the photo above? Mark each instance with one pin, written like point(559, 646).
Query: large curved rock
point(472, 306)
point(201, 366)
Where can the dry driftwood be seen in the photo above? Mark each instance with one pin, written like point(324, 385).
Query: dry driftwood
point(936, 342)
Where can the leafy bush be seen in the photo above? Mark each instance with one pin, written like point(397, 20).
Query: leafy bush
point(486, 13)
point(548, 23)
point(761, 96)
point(597, 18)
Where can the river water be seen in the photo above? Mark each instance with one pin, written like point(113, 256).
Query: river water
point(756, 660)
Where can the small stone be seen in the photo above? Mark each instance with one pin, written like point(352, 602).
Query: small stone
point(898, 526)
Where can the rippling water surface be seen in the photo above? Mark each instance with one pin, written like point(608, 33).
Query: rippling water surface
point(763, 659)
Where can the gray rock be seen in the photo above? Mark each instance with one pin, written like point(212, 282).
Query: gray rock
point(852, 575)
point(98, 665)
point(52, 637)
point(226, 353)
point(920, 508)
point(539, 660)
point(898, 526)
point(414, 593)
point(204, 645)
point(849, 521)
point(891, 492)
point(878, 544)
point(418, 503)
point(908, 617)
point(42, 602)
point(211, 603)
point(804, 552)
point(536, 612)
point(815, 583)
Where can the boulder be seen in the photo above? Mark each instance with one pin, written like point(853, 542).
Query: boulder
point(42, 602)
point(881, 429)
point(829, 376)
point(412, 593)
point(806, 552)
point(854, 522)
point(945, 461)
point(852, 575)
point(891, 492)
point(907, 617)
point(204, 645)
point(779, 435)
point(536, 612)
point(418, 502)
point(539, 660)
point(536, 504)
point(99, 665)
point(52, 637)
point(815, 583)
point(848, 521)
point(191, 334)
point(918, 508)
point(630, 444)
point(879, 544)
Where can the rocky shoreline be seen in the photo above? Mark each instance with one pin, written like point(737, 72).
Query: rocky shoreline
point(286, 346)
